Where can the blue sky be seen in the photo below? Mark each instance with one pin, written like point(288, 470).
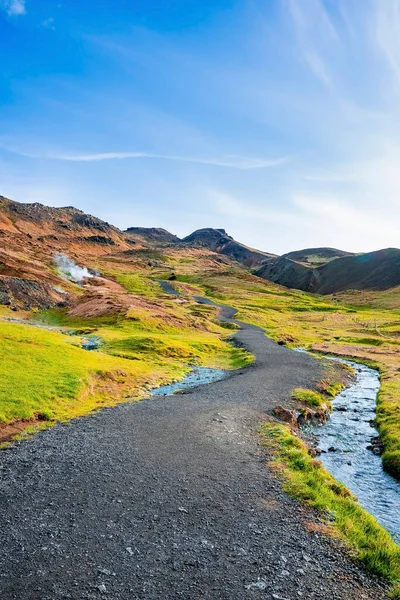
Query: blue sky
point(278, 120)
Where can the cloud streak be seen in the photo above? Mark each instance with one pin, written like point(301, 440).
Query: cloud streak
point(13, 7)
point(233, 162)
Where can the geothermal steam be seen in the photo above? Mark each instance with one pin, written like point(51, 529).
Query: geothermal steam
point(70, 269)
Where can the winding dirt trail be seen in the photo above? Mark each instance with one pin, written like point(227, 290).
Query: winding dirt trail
point(169, 498)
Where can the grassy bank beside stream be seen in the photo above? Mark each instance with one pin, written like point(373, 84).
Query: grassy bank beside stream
point(342, 516)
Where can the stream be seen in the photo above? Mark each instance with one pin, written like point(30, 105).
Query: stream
point(198, 376)
point(344, 441)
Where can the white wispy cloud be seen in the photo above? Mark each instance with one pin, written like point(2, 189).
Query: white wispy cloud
point(302, 124)
point(48, 23)
point(312, 26)
point(13, 7)
point(318, 67)
point(317, 219)
point(386, 19)
point(234, 162)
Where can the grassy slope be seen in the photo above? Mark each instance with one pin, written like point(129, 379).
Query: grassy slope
point(46, 374)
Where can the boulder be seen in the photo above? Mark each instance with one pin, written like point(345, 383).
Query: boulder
point(286, 415)
point(314, 416)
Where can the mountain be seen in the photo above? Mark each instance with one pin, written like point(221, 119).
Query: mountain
point(378, 270)
point(216, 240)
point(220, 242)
point(57, 228)
point(316, 256)
point(151, 235)
point(289, 273)
point(32, 235)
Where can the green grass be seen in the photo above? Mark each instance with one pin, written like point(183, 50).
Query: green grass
point(309, 397)
point(331, 388)
point(43, 374)
point(46, 374)
point(139, 284)
point(306, 479)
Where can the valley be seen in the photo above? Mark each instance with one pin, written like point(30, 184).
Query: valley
point(142, 301)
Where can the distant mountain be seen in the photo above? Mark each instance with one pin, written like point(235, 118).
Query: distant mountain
point(32, 234)
point(216, 240)
point(289, 273)
point(152, 235)
point(57, 228)
point(219, 241)
point(316, 256)
point(30, 237)
point(378, 270)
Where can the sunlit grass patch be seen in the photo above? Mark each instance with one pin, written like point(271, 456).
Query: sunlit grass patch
point(42, 373)
point(139, 284)
point(330, 388)
point(45, 373)
point(309, 397)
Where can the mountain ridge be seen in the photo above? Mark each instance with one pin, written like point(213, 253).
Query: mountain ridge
point(32, 234)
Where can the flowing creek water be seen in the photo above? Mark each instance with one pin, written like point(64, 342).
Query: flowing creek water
point(344, 442)
point(197, 376)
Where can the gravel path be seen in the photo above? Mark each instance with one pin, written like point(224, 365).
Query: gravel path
point(169, 498)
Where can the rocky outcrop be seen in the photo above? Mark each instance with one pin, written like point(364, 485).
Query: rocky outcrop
point(152, 235)
point(219, 241)
point(314, 416)
point(5, 299)
point(286, 415)
point(99, 239)
point(28, 293)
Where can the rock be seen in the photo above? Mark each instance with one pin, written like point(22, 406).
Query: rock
point(314, 416)
point(286, 415)
point(376, 446)
point(102, 588)
point(104, 571)
point(30, 293)
point(5, 299)
point(257, 585)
